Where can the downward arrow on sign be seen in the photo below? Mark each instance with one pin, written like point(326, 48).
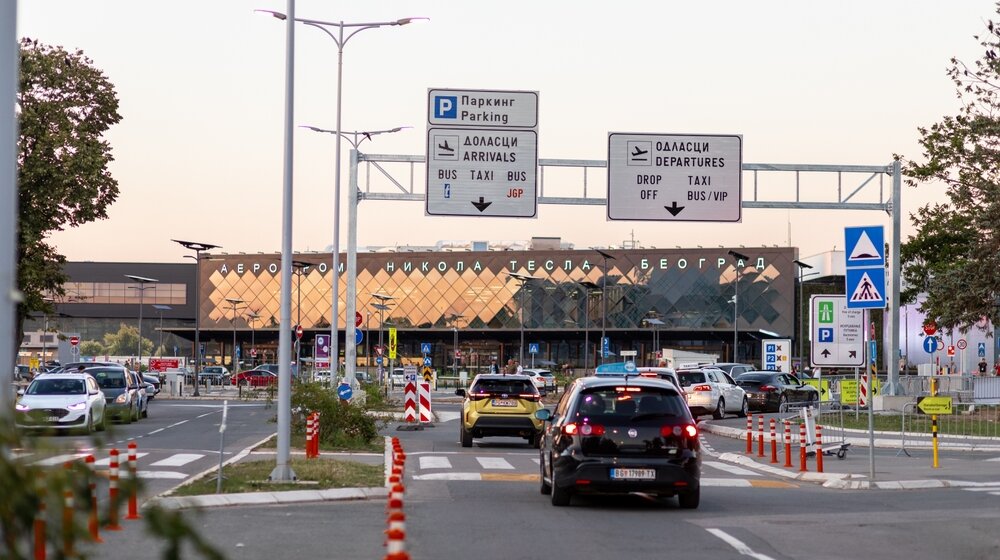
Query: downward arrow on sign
point(481, 205)
point(674, 209)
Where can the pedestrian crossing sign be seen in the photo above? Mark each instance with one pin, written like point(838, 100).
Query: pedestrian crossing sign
point(864, 267)
point(865, 288)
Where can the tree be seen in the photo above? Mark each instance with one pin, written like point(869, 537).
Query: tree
point(91, 348)
point(125, 342)
point(955, 255)
point(65, 106)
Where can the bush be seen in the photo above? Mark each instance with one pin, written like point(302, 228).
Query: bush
point(342, 424)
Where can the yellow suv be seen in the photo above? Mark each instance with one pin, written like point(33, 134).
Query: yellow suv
point(500, 405)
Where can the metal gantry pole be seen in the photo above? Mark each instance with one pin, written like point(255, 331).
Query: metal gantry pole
point(350, 340)
point(9, 294)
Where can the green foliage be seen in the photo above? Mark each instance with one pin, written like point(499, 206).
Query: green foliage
point(342, 425)
point(91, 348)
point(66, 105)
point(955, 255)
point(125, 342)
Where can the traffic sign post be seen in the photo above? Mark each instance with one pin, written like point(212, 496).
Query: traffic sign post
point(836, 333)
point(482, 153)
point(675, 177)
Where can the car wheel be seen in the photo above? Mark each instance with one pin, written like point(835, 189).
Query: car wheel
point(546, 488)
point(89, 428)
point(127, 418)
point(104, 422)
point(745, 408)
point(783, 403)
point(720, 410)
point(145, 411)
point(689, 499)
point(560, 496)
point(466, 437)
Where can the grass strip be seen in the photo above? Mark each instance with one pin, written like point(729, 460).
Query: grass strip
point(320, 474)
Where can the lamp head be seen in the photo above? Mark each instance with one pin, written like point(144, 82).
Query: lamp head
point(196, 246)
point(141, 279)
point(738, 255)
point(405, 21)
point(802, 264)
point(272, 13)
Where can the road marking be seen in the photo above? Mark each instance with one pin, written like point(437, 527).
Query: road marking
point(982, 489)
point(994, 459)
point(177, 424)
point(434, 463)
point(772, 484)
point(449, 476)
point(447, 416)
point(494, 463)
point(177, 460)
point(502, 477)
point(731, 469)
point(739, 545)
point(536, 461)
point(123, 460)
point(171, 475)
point(206, 414)
point(59, 459)
point(155, 431)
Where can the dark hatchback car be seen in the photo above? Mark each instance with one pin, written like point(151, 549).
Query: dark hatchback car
point(775, 391)
point(620, 435)
point(121, 392)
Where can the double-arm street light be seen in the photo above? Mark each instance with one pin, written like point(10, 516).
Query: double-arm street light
point(235, 303)
point(604, 299)
point(142, 287)
point(198, 249)
point(655, 323)
point(299, 269)
point(523, 279)
point(161, 309)
point(740, 257)
point(382, 306)
point(802, 267)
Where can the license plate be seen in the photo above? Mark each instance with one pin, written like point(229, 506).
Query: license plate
point(633, 474)
point(503, 402)
point(51, 418)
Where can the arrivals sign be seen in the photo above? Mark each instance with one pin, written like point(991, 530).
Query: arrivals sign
point(836, 332)
point(482, 153)
point(675, 177)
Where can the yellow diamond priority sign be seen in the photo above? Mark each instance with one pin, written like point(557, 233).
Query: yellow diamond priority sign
point(934, 405)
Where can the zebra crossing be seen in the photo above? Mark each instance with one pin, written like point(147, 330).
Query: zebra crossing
point(159, 460)
point(991, 488)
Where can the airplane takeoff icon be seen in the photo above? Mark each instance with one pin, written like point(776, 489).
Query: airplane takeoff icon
point(637, 151)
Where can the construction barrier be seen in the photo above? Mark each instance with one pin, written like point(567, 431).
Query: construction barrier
point(424, 390)
point(410, 402)
point(803, 467)
point(133, 498)
point(819, 448)
point(760, 435)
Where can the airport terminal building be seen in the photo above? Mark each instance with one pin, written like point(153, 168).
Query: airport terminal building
point(471, 303)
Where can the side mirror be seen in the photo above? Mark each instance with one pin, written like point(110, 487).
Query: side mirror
point(543, 414)
point(460, 392)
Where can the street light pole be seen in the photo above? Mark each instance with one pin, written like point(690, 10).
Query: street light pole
point(382, 306)
point(161, 309)
point(299, 268)
point(740, 257)
point(604, 300)
point(198, 248)
point(142, 287)
point(799, 334)
point(252, 318)
point(234, 302)
point(523, 278)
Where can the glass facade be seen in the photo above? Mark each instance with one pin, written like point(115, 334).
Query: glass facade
point(690, 290)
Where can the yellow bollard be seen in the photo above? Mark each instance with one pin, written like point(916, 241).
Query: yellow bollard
point(934, 425)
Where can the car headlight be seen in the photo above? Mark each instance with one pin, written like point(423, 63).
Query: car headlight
point(122, 398)
point(22, 407)
point(78, 406)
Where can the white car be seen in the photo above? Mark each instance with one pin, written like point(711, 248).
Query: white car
point(61, 401)
point(712, 391)
point(667, 373)
point(543, 379)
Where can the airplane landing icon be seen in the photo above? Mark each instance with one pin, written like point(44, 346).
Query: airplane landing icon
point(445, 147)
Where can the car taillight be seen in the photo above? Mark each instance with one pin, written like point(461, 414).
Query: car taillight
point(478, 396)
point(688, 430)
point(768, 388)
point(702, 388)
point(573, 429)
point(530, 396)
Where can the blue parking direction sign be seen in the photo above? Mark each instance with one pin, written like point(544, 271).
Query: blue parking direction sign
point(982, 349)
point(836, 332)
point(930, 344)
point(605, 347)
point(425, 347)
point(865, 246)
point(532, 347)
point(825, 335)
point(865, 288)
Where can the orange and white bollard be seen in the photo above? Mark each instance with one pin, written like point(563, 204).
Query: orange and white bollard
point(39, 528)
point(113, 492)
point(397, 522)
point(309, 436)
point(133, 469)
point(396, 547)
point(316, 429)
point(819, 448)
point(93, 524)
point(803, 466)
point(749, 434)
point(67, 515)
point(760, 435)
point(788, 443)
point(395, 501)
point(774, 442)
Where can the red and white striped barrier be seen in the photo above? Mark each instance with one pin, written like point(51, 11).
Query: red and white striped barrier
point(410, 402)
point(133, 498)
point(396, 523)
point(310, 427)
point(803, 466)
point(93, 524)
point(788, 443)
point(749, 434)
point(425, 402)
point(760, 435)
point(113, 492)
point(774, 442)
point(819, 448)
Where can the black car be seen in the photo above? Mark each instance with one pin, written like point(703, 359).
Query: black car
point(775, 391)
point(618, 435)
point(154, 381)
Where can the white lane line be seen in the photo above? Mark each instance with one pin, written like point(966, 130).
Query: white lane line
point(122, 460)
point(739, 545)
point(994, 459)
point(155, 431)
point(982, 489)
point(206, 414)
point(171, 475)
point(494, 463)
point(536, 461)
point(59, 459)
point(177, 460)
point(447, 416)
point(449, 476)
point(177, 424)
point(434, 463)
point(731, 469)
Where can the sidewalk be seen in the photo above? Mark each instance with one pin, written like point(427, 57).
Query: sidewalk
point(963, 461)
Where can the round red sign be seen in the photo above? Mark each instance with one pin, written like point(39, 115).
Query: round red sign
point(930, 328)
point(298, 331)
point(74, 340)
point(962, 344)
point(357, 319)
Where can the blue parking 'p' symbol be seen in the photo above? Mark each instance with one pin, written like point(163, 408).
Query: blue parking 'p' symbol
point(771, 358)
point(826, 335)
point(445, 107)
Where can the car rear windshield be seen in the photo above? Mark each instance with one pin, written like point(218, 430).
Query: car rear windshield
point(689, 377)
point(621, 403)
point(504, 386)
point(109, 378)
point(754, 377)
point(44, 386)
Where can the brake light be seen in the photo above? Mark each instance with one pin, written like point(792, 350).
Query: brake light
point(687, 430)
point(768, 388)
point(573, 429)
point(691, 431)
point(702, 388)
point(530, 396)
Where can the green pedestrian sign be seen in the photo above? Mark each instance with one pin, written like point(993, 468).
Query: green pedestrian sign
point(825, 312)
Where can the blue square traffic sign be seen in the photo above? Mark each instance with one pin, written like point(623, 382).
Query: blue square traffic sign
point(825, 335)
point(445, 107)
point(865, 246)
point(425, 347)
point(427, 360)
point(982, 349)
point(532, 347)
point(771, 358)
point(865, 288)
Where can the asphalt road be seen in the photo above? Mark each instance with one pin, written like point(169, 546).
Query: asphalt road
point(483, 502)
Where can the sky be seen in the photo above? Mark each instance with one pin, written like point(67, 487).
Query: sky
point(198, 153)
